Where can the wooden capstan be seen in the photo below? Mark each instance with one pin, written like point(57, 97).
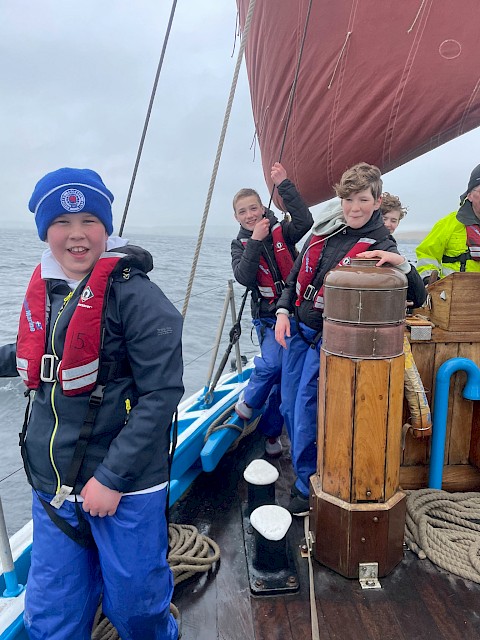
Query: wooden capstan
point(358, 512)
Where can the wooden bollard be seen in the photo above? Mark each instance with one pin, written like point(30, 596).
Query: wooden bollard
point(358, 511)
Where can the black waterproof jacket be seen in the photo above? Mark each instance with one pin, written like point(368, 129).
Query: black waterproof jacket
point(245, 260)
point(128, 449)
point(335, 249)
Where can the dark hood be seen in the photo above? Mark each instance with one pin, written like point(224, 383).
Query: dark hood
point(466, 214)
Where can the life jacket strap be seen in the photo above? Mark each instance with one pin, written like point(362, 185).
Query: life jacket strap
point(462, 258)
point(49, 366)
point(279, 286)
point(82, 534)
point(310, 292)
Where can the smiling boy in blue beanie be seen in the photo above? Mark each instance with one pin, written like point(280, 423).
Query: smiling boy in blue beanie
point(101, 346)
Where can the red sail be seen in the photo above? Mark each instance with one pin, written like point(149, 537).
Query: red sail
point(380, 82)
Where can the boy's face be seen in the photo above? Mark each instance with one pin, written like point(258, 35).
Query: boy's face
point(248, 211)
point(391, 220)
point(77, 240)
point(359, 207)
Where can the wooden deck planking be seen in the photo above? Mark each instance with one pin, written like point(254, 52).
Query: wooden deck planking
point(417, 600)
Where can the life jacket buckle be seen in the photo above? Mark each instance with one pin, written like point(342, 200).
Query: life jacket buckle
point(309, 292)
point(279, 286)
point(49, 368)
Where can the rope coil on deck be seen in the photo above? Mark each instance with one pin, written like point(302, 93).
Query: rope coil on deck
point(445, 528)
point(191, 552)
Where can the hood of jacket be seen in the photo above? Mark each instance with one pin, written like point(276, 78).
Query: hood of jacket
point(466, 214)
point(330, 220)
point(135, 257)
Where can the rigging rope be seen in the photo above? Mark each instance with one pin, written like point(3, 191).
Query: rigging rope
point(147, 117)
point(445, 528)
point(235, 333)
point(292, 93)
point(246, 29)
point(9, 475)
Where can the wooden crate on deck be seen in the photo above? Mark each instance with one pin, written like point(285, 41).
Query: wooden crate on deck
point(455, 302)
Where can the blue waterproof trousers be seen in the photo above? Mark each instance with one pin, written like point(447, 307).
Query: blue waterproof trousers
point(301, 364)
point(129, 564)
point(264, 383)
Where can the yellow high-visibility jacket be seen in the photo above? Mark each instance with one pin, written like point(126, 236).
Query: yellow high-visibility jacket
point(448, 237)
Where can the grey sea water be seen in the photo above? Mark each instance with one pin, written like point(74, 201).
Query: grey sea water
point(172, 259)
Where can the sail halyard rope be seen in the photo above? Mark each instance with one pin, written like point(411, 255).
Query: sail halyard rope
point(349, 33)
point(213, 178)
point(292, 92)
point(147, 117)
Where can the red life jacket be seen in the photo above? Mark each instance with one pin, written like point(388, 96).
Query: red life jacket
point(266, 284)
point(473, 240)
point(304, 288)
point(78, 370)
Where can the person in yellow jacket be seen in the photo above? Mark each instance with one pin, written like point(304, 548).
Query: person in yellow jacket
point(454, 242)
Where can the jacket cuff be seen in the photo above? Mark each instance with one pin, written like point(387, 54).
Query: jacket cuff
point(111, 480)
point(282, 312)
point(405, 267)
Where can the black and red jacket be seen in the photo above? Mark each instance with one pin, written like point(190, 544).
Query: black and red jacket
point(246, 256)
point(128, 448)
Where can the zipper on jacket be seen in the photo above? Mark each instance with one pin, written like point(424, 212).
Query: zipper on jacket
point(52, 393)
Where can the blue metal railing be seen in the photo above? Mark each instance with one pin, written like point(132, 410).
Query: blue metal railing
point(471, 391)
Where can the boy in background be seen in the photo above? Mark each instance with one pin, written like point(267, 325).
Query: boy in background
point(355, 229)
point(101, 347)
point(262, 257)
point(392, 211)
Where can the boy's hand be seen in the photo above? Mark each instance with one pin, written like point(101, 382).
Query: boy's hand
point(261, 229)
point(282, 329)
point(278, 173)
point(385, 257)
point(99, 500)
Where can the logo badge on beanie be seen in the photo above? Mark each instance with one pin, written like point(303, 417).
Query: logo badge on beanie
point(72, 200)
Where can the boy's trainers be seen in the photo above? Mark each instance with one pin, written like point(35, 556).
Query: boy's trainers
point(242, 409)
point(299, 505)
point(273, 447)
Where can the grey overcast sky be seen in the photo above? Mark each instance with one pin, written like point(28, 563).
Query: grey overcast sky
point(75, 81)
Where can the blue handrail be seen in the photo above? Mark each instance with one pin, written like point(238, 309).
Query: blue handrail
point(471, 391)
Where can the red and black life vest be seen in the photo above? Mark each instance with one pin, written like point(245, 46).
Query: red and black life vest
point(78, 370)
point(473, 240)
point(304, 287)
point(267, 286)
point(473, 248)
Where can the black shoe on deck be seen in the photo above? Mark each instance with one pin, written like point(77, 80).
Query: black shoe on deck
point(299, 504)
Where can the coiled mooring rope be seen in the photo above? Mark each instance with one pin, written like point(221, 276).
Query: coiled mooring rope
point(445, 528)
point(190, 553)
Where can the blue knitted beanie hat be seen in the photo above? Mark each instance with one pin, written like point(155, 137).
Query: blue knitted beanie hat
point(70, 191)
